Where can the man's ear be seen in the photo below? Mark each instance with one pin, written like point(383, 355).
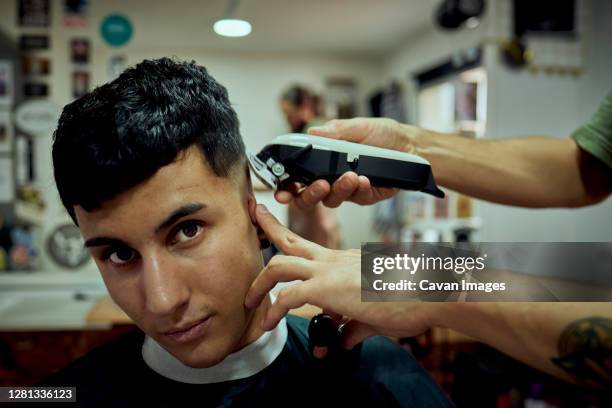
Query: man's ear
point(252, 205)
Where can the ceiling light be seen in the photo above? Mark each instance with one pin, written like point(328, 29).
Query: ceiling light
point(231, 27)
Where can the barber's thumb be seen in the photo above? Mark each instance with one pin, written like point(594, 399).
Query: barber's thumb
point(355, 332)
point(332, 128)
point(352, 130)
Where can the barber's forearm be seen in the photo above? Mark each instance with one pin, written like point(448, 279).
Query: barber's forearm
point(529, 172)
point(530, 332)
point(516, 329)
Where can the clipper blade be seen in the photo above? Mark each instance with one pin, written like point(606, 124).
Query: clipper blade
point(261, 171)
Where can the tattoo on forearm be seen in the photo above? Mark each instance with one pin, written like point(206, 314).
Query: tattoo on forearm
point(585, 351)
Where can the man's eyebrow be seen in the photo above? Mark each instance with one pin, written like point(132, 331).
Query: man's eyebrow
point(181, 212)
point(100, 241)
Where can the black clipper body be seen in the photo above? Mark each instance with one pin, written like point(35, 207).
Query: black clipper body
point(304, 159)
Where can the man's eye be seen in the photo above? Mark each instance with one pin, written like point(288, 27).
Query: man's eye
point(122, 256)
point(186, 232)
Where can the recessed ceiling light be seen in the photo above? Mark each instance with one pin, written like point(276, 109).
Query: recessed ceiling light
point(231, 27)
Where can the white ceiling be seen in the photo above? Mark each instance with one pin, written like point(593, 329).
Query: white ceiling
point(347, 27)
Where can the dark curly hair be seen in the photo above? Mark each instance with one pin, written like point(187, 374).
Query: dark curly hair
point(121, 133)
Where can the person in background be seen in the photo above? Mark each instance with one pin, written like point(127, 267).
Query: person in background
point(302, 108)
point(316, 223)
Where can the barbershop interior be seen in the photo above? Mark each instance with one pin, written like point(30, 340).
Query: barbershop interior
point(479, 69)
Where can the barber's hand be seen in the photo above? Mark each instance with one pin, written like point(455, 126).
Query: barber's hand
point(380, 132)
point(331, 281)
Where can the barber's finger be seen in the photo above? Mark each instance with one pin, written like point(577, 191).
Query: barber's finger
point(291, 297)
point(283, 196)
point(366, 194)
point(354, 332)
point(281, 268)
point(284, 239)
point(382, 193)
point(363, 195)
point(353, 130)
point(342, 189)
point(312, 194)
point(288, 192)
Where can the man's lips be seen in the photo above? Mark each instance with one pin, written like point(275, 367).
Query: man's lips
point(185, 327)
point(188, 332)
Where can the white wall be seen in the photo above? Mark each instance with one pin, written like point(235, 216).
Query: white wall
point(521, 103)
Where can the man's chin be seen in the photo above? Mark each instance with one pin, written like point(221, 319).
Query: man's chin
point(203, 355)
point(199, 362)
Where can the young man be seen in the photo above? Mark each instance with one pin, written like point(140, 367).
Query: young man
point(152, 169)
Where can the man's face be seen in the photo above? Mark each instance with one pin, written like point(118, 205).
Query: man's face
point(296, 116)
point(179, 250)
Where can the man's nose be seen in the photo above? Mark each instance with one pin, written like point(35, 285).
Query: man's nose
point(165, 289)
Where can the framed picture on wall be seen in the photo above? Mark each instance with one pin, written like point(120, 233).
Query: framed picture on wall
point(31, 42)
point(33, 65)
point(33, 89)
point(79, 50)
point(80, 83)
point(6, 132)
point(75, 13)
point(33, 13)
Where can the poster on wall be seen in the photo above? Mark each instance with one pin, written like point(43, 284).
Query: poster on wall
point(80, 83)
point(79, 50)
point(6, 131)
point(33, 13)
point(6, 83)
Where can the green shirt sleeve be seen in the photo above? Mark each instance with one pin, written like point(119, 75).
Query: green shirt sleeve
point(595, 137)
